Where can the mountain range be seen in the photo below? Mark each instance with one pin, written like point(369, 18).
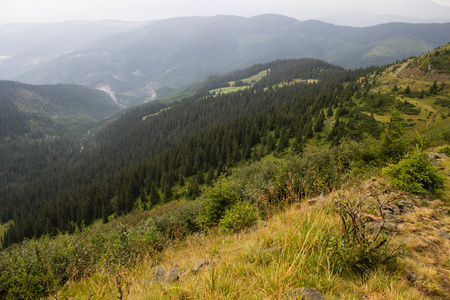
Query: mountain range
point(129, 60)
point(386, 11)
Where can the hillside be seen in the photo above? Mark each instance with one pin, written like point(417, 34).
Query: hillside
point(52, 110)
point(281, 254)
point(218, 162)
point(180, 51)
point(40, 126)
point(421, 83)
point(272, 247)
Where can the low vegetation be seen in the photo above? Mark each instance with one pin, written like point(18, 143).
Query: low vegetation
point(334, 245)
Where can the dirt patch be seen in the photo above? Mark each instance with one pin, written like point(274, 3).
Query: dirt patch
point(431, 75)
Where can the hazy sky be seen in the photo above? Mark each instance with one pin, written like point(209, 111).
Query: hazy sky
point(45, 11)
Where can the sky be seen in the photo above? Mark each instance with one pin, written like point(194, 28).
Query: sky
point(49, 11)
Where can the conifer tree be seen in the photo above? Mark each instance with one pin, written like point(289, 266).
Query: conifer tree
point(104, 215)
point(154, 195)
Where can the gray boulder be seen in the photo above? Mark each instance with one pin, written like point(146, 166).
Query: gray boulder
point(443, 234)
point(161, 275)
point(199, 265)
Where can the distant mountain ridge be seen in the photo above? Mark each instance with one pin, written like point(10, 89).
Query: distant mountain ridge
point(180, 51)
point(27, 46)
point(411, 11)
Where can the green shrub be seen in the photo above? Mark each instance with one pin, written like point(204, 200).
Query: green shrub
point(239, 216)
point(179, 222)
point(122, 248)
point(312, 173)
point(153, 238)
point(415, 174)
point(358, 258)
point(216, 200)
point(445, 150)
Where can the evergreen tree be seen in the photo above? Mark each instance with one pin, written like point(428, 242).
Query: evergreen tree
point(330, 111)
point(298, 145)
point(181, 179)
point(236, 151)
point(193, 189)
point(167, 193)
point(154, 195)
point(284, 141)
point(104, 215)
point(318, 124)
point(271, 143)
point(210, 177)
point(434, 88)
point(309, 131)
point(407, 90)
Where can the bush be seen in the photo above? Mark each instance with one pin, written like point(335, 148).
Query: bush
point(359, 248)
point(184, 219)
point(445, 150)
point(415, 174)
point(239, 216)
point(216, 200)
point(311, 174)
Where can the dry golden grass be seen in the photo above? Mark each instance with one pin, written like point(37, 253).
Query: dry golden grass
point(284, 253)
point(288, 251)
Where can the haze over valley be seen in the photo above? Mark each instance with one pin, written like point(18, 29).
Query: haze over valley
point(131, 61)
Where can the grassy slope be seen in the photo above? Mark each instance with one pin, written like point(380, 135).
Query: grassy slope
point(286, 252)
point(250, 81)
point(409, 73)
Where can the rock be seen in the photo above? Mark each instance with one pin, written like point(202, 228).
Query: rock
point(443, 234)
point(387, 213)
point(305, 293)
point(437, 156)
point(373, 227)
point(172, 275)
point(410, 276)
point(395, 210)
point(159, 274)
point(402, 205)
point(199, 265)
point(390, 225)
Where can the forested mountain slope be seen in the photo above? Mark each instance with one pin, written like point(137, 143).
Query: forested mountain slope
point(180, 51)
point(52, 110)
point(151, 146)
point(41, 125)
